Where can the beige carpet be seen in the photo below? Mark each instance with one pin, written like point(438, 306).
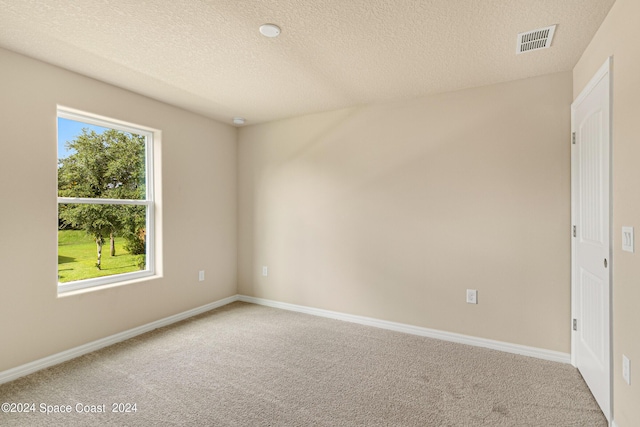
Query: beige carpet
point(248, 365)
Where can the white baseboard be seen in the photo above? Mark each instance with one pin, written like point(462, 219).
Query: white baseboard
point(26, 369)
point(523, 350)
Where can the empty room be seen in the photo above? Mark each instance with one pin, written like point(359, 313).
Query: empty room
point(319, 213)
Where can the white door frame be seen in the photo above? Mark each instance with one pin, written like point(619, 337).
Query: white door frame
point(604, 70)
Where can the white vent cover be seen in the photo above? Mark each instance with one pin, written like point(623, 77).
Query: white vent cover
point(535, 40)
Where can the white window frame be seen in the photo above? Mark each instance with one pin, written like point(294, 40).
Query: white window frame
point(148, 202)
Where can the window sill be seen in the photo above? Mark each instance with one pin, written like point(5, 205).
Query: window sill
point(91, 285)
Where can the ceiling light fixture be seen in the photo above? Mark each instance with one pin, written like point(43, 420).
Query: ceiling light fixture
point(238, 120)
point(270, 30)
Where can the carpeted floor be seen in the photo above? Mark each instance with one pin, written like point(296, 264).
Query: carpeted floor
point(249, 365)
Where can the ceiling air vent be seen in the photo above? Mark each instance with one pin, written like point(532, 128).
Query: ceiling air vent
point(535, 40)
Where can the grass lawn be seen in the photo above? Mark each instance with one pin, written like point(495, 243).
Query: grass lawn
point(77, 256)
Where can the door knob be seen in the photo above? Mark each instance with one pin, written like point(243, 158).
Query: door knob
point(605, 263)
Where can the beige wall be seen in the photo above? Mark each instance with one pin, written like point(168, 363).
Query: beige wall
point(618, 37)
point(393, 211)
point(199, 213)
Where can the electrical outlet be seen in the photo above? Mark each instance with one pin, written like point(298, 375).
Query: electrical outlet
point(265, 271)
point(201, 275)
point(472, 296)
point(626, 369)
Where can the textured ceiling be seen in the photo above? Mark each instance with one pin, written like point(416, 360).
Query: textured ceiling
point(207, 55)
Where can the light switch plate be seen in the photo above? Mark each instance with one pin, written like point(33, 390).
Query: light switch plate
point(627, 239)
point(265, 270)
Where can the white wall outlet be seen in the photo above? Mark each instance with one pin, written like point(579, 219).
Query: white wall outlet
point(472, 296)
point(201, 275)
point(626, 369)
point(627, 239)
point(265, 271)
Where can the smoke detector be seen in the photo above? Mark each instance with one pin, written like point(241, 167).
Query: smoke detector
point(535, 40)
point(239, 121)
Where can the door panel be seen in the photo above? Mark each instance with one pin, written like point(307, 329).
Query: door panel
point(591, 244)
point(591, 333)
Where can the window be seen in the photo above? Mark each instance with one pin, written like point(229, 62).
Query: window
point(105, 201)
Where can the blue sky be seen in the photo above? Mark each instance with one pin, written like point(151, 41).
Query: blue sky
point(68, 130)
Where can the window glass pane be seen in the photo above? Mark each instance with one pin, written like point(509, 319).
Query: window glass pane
point(99, 162)
point(100, 240)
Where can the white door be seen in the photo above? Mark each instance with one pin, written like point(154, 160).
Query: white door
point(591, 254)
